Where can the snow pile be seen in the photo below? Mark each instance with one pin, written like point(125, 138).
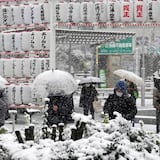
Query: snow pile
point(116, 140)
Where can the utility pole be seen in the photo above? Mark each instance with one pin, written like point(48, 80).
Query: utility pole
point(52, 4)
point(143, 70)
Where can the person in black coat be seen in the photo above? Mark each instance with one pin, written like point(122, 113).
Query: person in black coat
point(3, 107)
point(121, 102)
point(60, 109)
point(53, 111)
point(88, 95)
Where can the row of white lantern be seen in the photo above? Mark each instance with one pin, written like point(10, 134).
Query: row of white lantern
point(25, 41)
point(22, 94)
point(24, 14)
point(113, 10)
point(25, 67)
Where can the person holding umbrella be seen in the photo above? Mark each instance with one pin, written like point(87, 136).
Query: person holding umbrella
point(132, 89)
point(3, 107)
point(59, 109)
point(87, 96)
point(121, 102)
point(156, 101)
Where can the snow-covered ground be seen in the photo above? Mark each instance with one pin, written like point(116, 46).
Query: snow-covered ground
point(117, 140)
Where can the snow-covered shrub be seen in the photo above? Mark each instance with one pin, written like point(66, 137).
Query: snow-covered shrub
point(116, 140)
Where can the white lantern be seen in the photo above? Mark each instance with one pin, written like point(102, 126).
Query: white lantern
point(45, 12)
point(113, 11)
point(35, 66)
point(140, 10)
point(100, 11)
point(8, 41)
point(8, 68)
point(87, 11)
point(126, 11)
point(45, 40)
point(26, 94)
point(26, 41)
point(2, 67)
point(1, 16)
point(26, 67)
point(10, 91)
point(17, 14)
point(1, 43)
point(17, 70)
point(18, 94)
point(47, 64)
point(17, 42)
point(41, 65)
point(73, 11)
point(28, 14)
point(34, 98)
point(7, 15)
point(61, 15)
point(32, 41)
point(37, 14)
point(35, 40)
point(153, 10)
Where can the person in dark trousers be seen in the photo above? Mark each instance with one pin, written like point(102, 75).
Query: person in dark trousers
point(156, 101)
point(132, 89)
point(121, 102)
point(3, 107)
point(87, 96)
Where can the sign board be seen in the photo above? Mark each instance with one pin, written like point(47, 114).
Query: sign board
point(123, 46)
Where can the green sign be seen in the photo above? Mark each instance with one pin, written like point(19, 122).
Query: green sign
point(123, 46)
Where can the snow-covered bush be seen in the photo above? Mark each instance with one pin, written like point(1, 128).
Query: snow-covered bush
point(117, 140)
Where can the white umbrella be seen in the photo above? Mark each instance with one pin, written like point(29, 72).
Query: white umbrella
point(90, 79)
point(129, 76)
point(3, 82)
point(54, 82)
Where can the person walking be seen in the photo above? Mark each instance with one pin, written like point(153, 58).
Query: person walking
point(156, 101)
point(3, 107)
point(132, 89)
point(121, 102)
point(87, 96)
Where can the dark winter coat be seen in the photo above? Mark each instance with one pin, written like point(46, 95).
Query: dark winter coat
point(65, 109)
point(124, 105)
point(88, 94)
point(3, 107)
point(133, 90)
point(156, 98)
point(53, 117)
